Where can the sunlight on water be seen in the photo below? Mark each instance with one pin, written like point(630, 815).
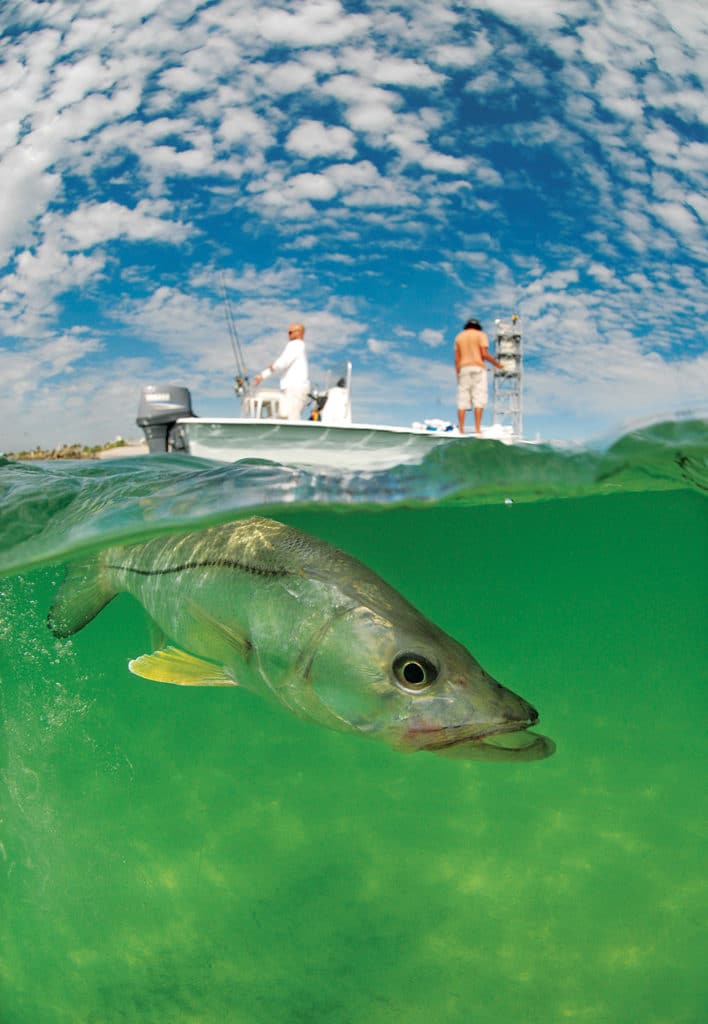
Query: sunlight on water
point(182, 855)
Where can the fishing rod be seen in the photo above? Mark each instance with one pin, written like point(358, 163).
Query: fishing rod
point(241, 385)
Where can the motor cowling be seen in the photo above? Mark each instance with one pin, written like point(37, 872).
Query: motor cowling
point(158, 412)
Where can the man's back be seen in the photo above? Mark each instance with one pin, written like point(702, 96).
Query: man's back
point(469, 346)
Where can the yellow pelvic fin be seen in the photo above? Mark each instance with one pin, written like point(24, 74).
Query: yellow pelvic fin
point(171, 665)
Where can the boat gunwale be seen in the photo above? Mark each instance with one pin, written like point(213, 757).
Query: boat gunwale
point(268, 421)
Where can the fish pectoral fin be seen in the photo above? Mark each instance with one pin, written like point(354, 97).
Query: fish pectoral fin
point(157, 636)
point(240, 643)
point(82, 595)
point(171, 665)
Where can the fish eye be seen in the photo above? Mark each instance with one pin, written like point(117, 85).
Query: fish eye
point(414, 672)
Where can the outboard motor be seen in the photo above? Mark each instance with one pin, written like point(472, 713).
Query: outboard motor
point(159, 410)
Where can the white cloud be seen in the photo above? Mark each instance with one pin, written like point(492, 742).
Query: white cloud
point(411, 138)
point(432, 338)
point(191, 322)
point(48, 407)
point(316, 23)
point(541, 13)
point(313, 186)
point(384, 194)
point(291, 77)
point(95, 223)
point(244, 124)
point(181, 321)
point(74, 80)
point(183, 79)
point(410, 73)
point(453, 55)
point(47, 358)
point(633, 384)
point(377, 347)
point(557, 280)
point(677, 217)
point(313, 139)
point(27, 189)
point(28, 295)
point(349, 175)
point(601, 273)
point(488, 82)
point(278, 280)
point(161, 162)
point(368, 107)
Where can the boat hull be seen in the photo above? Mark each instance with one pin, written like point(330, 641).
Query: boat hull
point(306, 443)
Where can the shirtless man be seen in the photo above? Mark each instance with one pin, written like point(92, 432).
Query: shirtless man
point(471, 351)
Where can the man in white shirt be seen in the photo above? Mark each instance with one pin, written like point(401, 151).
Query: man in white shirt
point(291, 364)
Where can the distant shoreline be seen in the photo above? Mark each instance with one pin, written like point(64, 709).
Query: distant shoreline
point(113, 449)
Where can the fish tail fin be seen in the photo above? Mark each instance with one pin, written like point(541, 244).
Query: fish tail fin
point(82, 595)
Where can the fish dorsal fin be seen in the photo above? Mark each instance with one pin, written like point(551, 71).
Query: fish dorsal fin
point(171, 665)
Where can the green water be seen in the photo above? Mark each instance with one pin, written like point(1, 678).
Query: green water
point(180, 855)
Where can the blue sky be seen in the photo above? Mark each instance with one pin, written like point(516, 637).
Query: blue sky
point(380, 171)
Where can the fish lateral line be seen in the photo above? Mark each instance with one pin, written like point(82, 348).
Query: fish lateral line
point(216, 563)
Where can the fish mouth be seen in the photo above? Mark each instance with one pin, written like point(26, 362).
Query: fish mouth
point(510, 741)
point(443, 736)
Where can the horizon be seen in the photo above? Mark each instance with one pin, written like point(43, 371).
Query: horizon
point(380, 172)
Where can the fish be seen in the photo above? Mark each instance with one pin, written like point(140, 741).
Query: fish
point(257, 604)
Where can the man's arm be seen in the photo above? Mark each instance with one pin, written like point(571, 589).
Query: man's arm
point(484, 349)
point(287, 357)
point(491, 359)
point(457, 358)
point(277, 366)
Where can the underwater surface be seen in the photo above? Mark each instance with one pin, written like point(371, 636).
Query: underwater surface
point(196, 855)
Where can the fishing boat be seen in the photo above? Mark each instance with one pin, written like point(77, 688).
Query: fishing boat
point(329, 439)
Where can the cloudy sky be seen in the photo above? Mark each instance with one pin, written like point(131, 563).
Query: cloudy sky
point(380, 170)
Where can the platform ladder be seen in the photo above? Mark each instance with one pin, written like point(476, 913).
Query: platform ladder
point(507, 395)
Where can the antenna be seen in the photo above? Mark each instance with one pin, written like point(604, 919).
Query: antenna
point(508, 391)
point(241, 381)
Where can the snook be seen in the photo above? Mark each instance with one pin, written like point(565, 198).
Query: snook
point(261, 605)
